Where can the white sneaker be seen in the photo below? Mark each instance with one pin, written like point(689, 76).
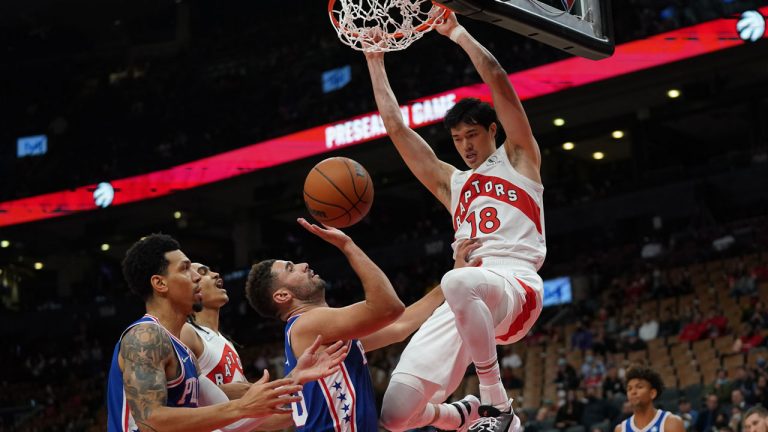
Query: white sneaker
point(468, 411)
point(494, 420)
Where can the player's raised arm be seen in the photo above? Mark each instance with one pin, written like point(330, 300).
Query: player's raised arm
point(380, 307)
point(522, 148)
point(433, 173)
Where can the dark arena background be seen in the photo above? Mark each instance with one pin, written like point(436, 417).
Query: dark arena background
point(201, 119)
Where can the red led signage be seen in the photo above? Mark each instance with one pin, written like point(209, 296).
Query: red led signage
point(573, 72)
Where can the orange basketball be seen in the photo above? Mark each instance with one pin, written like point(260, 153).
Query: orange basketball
point(338, 192)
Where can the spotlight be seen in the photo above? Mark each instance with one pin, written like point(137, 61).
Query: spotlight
point(4, 244)
point(104, 247)
point(177, 215)
point(558, 122)
point(38, 265)
point(673, 93)
point(598, 155)
point(617, 134)
point(568, 146)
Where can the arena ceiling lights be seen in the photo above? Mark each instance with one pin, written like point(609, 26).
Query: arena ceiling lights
point(630, 57)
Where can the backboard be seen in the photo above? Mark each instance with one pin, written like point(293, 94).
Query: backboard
point(580, 27)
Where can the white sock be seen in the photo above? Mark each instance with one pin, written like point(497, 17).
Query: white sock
point(448, 417)
point(495, 395)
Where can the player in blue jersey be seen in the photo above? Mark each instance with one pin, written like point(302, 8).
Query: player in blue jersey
point(644, 385)
point(295, 294)
point(154, 383)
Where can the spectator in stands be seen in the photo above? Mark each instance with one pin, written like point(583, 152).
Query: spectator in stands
point(742, 282)
point(649, 330)
point(760, 397)
point(745, 383)
point(716, 323)
point(570, 413)
point(511, 360)
point(581, 338)
point(566, 375)
point(712, 418)
point(670, 324)
point(735, 421)
point(592, 371)
point(613, 386)
point(738, 400)
point(747, 339)
point(722, 386)
point(756, 315)
point(694, 330)
point(634, 343)
point(687, 413)
point(599, 413)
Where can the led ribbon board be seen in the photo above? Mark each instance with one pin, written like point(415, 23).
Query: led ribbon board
point(543, 80)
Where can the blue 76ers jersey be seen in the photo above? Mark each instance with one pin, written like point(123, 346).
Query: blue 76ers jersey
point(656, 425)
point(342, 402)
point(182, 391)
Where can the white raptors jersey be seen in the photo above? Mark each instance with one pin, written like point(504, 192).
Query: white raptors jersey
point(219, 361)
point(502, 208)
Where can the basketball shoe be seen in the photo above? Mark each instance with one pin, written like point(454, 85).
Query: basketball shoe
point(494, 420)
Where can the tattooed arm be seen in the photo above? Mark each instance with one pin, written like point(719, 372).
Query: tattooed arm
point(146, 352)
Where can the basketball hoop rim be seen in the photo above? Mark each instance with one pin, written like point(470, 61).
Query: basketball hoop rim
point(397, 35)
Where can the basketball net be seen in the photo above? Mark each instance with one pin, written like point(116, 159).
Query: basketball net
point(383, 25)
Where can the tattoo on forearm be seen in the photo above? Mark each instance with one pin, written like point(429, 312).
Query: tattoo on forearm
point(144, 350)
point(146, 427)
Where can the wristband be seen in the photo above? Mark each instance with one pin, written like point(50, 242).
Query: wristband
point(456, 32)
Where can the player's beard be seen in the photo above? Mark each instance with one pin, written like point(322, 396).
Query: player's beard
point(197, 306)
point(313, 292)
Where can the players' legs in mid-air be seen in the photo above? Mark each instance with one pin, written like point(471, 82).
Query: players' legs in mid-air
point(434, 362)
point(480, 302)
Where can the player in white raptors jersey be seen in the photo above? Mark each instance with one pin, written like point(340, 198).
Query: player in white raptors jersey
point(497, 205)
point(216, 356)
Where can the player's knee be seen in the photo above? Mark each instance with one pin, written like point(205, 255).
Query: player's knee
point(394, 418)
point(459, 284)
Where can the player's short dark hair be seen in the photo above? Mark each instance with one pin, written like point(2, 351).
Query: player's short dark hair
point(147, 258)
point(470, 111)
point(757, 409)
point(647, 374)
point(259, 288)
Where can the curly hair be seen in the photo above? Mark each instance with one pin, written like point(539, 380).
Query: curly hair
point(647, 374)
point(259, 288)
point(470, 111)
point(147, 258)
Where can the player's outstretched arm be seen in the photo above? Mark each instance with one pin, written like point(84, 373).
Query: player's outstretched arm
point(413, 317)
point(380, 307)
point(433, 173)
point(144, 353)
point(417, 313)
point(520, 143)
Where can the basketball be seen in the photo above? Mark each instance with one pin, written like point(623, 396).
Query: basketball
point(338, 192)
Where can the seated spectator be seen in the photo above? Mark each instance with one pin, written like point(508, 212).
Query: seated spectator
point(670, 324)
point(649, 330)
point(722, 386)
point(512, 360)
point(613, 386)
point(592, 371)
point(598, 411)
point(712, 418)
point(742, 282)
point(634, 343)
point(582, 338)
point(566, 375)
point(694, 330)
point(716, 323)
point(757, 315)
point(747, 339)
point(570, 413)
point(687, 413)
